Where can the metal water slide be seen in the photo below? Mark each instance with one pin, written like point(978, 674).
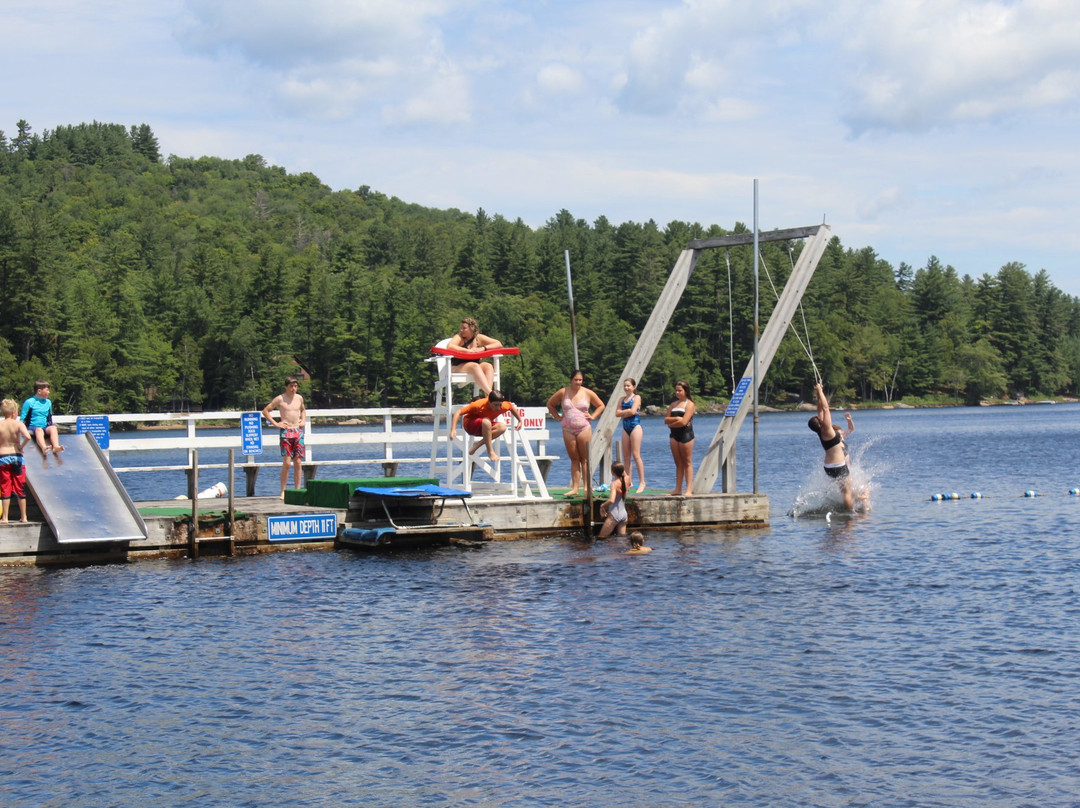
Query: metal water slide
point(80, 495)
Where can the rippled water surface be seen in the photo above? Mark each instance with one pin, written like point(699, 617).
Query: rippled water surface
point(923, 654)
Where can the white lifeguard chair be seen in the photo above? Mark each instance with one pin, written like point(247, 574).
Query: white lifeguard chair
point(452, 460)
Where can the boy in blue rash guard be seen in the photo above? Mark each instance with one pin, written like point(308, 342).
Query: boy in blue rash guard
point(37, 415)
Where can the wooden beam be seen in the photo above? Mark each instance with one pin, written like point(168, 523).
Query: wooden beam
point(740, 239)
point(642, 353)
point(722, 447)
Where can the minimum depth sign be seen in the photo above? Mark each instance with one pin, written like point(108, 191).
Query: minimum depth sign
point(301, 526)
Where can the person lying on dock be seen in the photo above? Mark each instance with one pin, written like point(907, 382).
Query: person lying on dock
point(37, 412)
point(478, 418)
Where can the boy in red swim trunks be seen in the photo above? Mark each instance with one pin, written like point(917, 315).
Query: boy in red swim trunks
point(479, 420)
point(291, 417)
point(13, 437)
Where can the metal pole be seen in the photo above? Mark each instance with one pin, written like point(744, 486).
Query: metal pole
point(573, 319)
point(232, 501)
point(756, 333)
point(193, 535)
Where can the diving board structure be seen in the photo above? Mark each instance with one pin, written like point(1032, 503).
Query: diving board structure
point(80, 495)
point(719, 460)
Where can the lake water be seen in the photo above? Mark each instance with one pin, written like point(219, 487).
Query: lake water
point(924, 654)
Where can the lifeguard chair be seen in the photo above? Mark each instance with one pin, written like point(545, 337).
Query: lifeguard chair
point(451, 457)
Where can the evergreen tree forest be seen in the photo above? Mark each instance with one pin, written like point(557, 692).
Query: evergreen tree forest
point(139, 283)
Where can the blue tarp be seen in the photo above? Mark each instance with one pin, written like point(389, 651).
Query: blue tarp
point(412, 492)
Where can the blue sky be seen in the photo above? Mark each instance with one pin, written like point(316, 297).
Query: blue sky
point(944, 127)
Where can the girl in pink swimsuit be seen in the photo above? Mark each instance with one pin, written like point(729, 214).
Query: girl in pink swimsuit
point(574, 400)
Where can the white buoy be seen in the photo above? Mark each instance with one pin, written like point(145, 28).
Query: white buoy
point(1074, 491)
point(1030, 494)
point(216, 491)
point(976, 494)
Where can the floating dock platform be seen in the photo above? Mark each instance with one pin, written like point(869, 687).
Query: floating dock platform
point(319, 520)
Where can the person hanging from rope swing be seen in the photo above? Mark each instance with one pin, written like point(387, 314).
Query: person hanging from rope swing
point(832, 441)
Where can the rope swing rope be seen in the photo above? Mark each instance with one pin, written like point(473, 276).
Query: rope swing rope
point(802, 313)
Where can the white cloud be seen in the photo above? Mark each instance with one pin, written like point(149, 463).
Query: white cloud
point(924, 64)
point(559, 79)
point(443, 100)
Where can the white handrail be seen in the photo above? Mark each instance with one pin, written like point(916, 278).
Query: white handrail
point(205, 430)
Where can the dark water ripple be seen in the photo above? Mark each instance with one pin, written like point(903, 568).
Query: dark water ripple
point(924, 655)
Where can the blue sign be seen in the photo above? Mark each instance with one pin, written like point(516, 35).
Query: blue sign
point(96, 425)
point(737, 397)
point(302, 527)
point(251, 432)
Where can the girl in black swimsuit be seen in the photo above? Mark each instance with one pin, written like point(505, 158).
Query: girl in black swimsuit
point(679, 420)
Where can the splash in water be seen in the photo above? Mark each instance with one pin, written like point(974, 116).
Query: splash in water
point(820, 495)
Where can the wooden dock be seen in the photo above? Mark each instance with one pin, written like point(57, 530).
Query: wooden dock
point(169, 535)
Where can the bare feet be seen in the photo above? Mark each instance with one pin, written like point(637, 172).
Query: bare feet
point(476, 446)
point(641, 489)
point(494, 458)
point(572, 493)
point(58, 448)
point(673, 494)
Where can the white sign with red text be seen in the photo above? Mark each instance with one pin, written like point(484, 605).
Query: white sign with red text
point(531, 418)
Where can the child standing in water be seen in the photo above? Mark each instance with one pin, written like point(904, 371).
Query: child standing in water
point(614, 510)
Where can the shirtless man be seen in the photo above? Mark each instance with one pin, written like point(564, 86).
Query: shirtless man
point(13, 437)
point(292, 414)
point(832, 441)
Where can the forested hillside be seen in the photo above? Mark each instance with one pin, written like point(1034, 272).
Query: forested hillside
point(137, 283)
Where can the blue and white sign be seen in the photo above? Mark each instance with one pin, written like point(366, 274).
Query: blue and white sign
point(737, 397)
point(251, 432)
point(301, 527)
point(96, 425)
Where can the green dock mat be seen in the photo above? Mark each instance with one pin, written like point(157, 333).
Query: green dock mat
point(337, 493)
point(181, 511)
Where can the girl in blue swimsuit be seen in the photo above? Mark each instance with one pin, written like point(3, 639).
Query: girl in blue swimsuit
point(629, 410)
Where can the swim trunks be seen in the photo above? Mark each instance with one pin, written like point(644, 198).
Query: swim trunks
point(682, 434)
point(574, 418)
point(292, 443)
point(12, 476)
point(474, 413)
point(628, 424)
point(837, 471)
